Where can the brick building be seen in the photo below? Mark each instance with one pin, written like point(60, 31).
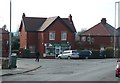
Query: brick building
point(49, 36)
point(99, 36)
point(4, 42)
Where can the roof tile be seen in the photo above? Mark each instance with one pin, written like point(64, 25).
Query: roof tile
point(101, 30)
point(40, 24)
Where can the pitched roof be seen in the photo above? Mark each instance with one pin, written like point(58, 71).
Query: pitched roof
point(118, 30)
point(33, 23)
point(41, 24)
point(3, 31)
point(101, 29)
point(69, 24)
point(47, 22)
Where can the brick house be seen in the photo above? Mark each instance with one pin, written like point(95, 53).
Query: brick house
point(4, 39)
point(99, 36)
point(49, 36)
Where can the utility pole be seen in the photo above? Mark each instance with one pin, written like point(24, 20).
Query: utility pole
point(10, 34)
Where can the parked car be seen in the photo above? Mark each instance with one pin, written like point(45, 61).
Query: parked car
point(68, 54)
point(117, 69)
point(85, 54)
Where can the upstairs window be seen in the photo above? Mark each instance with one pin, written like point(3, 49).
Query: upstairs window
point(52, 35)
point(64, 35)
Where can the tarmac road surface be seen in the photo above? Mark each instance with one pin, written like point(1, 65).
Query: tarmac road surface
point(70, 70)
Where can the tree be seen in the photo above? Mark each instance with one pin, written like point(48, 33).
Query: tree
point(15, 41)
point(78, 44)
point(80, 32)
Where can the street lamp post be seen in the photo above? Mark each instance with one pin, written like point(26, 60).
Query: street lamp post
point(10, 34)
point(115, 28)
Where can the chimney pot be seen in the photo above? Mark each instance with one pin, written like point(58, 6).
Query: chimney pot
point(70, 18)
point(23, 15)
point(103, 20)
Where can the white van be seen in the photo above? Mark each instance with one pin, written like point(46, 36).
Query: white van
point(69, 54)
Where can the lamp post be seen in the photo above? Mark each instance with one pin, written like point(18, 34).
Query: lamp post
point(115, 28)
point(10, 34)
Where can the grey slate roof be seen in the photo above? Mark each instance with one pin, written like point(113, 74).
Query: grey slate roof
point(111, 29)
point(32, 23)
point(118, 31)
point(41, 24)
point(69, 24)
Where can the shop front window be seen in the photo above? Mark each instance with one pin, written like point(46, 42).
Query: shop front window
point(50, 51)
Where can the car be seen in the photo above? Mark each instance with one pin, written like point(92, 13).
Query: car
point(117, 69)
point(68, 54)
point(118, 60)
point(85, 54)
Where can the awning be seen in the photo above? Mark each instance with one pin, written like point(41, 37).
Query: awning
point(64, 45)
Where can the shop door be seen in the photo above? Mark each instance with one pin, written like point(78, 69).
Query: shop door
point(57, 51)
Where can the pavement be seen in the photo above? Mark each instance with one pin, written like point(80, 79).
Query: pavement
point(24, 65)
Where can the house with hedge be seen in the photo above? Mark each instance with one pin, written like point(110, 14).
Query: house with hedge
point(50, 36)
point(99, 36)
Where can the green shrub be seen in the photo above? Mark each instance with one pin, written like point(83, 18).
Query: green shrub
point(5, 63)
point(118, 53)
point(24, 53)
point(109, 52)
point(96, 54)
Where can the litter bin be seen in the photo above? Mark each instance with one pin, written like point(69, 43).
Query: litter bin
point(13, 60)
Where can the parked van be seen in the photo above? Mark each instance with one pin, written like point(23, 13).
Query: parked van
point(68, 54)
point(85, 54)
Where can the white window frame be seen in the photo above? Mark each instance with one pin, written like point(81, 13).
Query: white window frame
point(83, 38)
point(52, 35)
point(63, 35)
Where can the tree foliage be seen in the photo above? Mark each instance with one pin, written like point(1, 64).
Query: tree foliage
point(15, 41)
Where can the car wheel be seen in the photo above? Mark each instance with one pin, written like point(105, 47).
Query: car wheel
point(59, 57)
point(68, 57)
point(86, 57)
point(116, 75)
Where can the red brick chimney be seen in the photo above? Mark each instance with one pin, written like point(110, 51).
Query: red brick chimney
point(70, 18)
point(23, 15)
point(103, 20)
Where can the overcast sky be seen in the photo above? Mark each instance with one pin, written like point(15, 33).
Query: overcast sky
point(85, 13)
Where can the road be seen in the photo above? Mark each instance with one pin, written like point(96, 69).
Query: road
point(70, 70)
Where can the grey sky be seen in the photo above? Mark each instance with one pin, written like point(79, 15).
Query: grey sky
point(86, 13)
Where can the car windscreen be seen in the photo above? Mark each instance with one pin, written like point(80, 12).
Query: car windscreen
point(66, 52)
point(118, 65)
point(75, 52)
